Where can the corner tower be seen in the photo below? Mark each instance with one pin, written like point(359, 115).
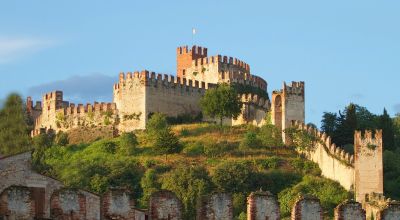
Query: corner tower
point(288, 105)
point(184, 58)
point(368, 164)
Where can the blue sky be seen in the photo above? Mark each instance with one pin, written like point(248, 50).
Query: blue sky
point(345, 51)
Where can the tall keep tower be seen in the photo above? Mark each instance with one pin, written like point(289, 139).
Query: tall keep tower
point(368, 164)
point(184, 58)
point(288, 105)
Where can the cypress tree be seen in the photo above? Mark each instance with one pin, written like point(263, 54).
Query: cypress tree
point(14, 131)
point(386, 124)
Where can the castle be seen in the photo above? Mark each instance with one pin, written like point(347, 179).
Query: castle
point(139, 94)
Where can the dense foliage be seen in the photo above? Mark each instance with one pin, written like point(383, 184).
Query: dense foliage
point(211, 160)
point(221, 102)
point(14, 129)
point(341, 126)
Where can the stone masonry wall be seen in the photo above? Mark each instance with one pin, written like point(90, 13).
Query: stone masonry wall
point(118, 204)
point(138, 95)
point(254, 111)
point(60, 115)
point(16, 202)
point(368, 164)
point(391, 212)
point(349, 210)
point(307, 208)
point(261, 206)
point(68, 204)
point(164, 205)
point(217, 206)
point(130, 98)
point(16, 170)
point(333, 161)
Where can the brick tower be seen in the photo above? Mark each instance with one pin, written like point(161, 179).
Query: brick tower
point(184, 58)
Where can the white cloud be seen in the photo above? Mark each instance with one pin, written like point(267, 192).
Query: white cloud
point(12, 49)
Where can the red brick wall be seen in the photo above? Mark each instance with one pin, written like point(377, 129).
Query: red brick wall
point(118, 204)
point(68, 204)
point(164, 205)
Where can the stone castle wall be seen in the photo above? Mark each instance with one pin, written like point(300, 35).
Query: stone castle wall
point(254, 111)
point(333, 161)
point(60, 115)
point(138, 95)
point(368, 164)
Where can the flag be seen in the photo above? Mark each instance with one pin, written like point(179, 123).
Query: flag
point(193, 31)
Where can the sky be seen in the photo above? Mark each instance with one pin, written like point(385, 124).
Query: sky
point(345, 51)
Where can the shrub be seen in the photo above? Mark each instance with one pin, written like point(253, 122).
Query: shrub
point(330, 193)
point(149, 184)
point(185, 132)
point(305, 166)
point(127, 143)
point(220, 148)
point(269, 163)
point(250, 140)
point(232, 177)
point(274, 181)
point(166, 142)
point(239, 203)
point(189, 184)
point(61, 139)
point(194, 149)
point(270, 136)
point(156, 123)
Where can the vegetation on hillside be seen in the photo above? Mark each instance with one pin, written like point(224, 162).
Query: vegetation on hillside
point(202, 158)
point(196, 159)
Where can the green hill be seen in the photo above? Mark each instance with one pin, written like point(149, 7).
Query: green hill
point(238, 159)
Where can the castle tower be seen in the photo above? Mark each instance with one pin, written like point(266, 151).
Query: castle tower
point(288, 105)
point(52, 101)
point(184, 58)
point(368, 164)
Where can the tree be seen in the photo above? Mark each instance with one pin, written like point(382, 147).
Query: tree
point(189, 184)
point(250, 140)
point(347, 125)
point(221, 102)
point(166, 142)
point(270, 136)
point(156, 123)
point(14, 131)
point(386, 124)
point(396, 126)
point(232, 177)
point(128, 143)
point(62, 139)
point(329, 123)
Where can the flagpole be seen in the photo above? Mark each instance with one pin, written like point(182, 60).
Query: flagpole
point(193, 33)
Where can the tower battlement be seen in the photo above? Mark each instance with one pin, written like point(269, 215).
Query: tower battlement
point(294, 88)
point(223, 60)
point(194, 51)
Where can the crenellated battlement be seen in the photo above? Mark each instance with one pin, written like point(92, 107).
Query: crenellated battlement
point(195, 50)
point(153, 79)
point(102, 107)
point(294, 88)
point(326, 140)
point(369, 139)
point(223, 60)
